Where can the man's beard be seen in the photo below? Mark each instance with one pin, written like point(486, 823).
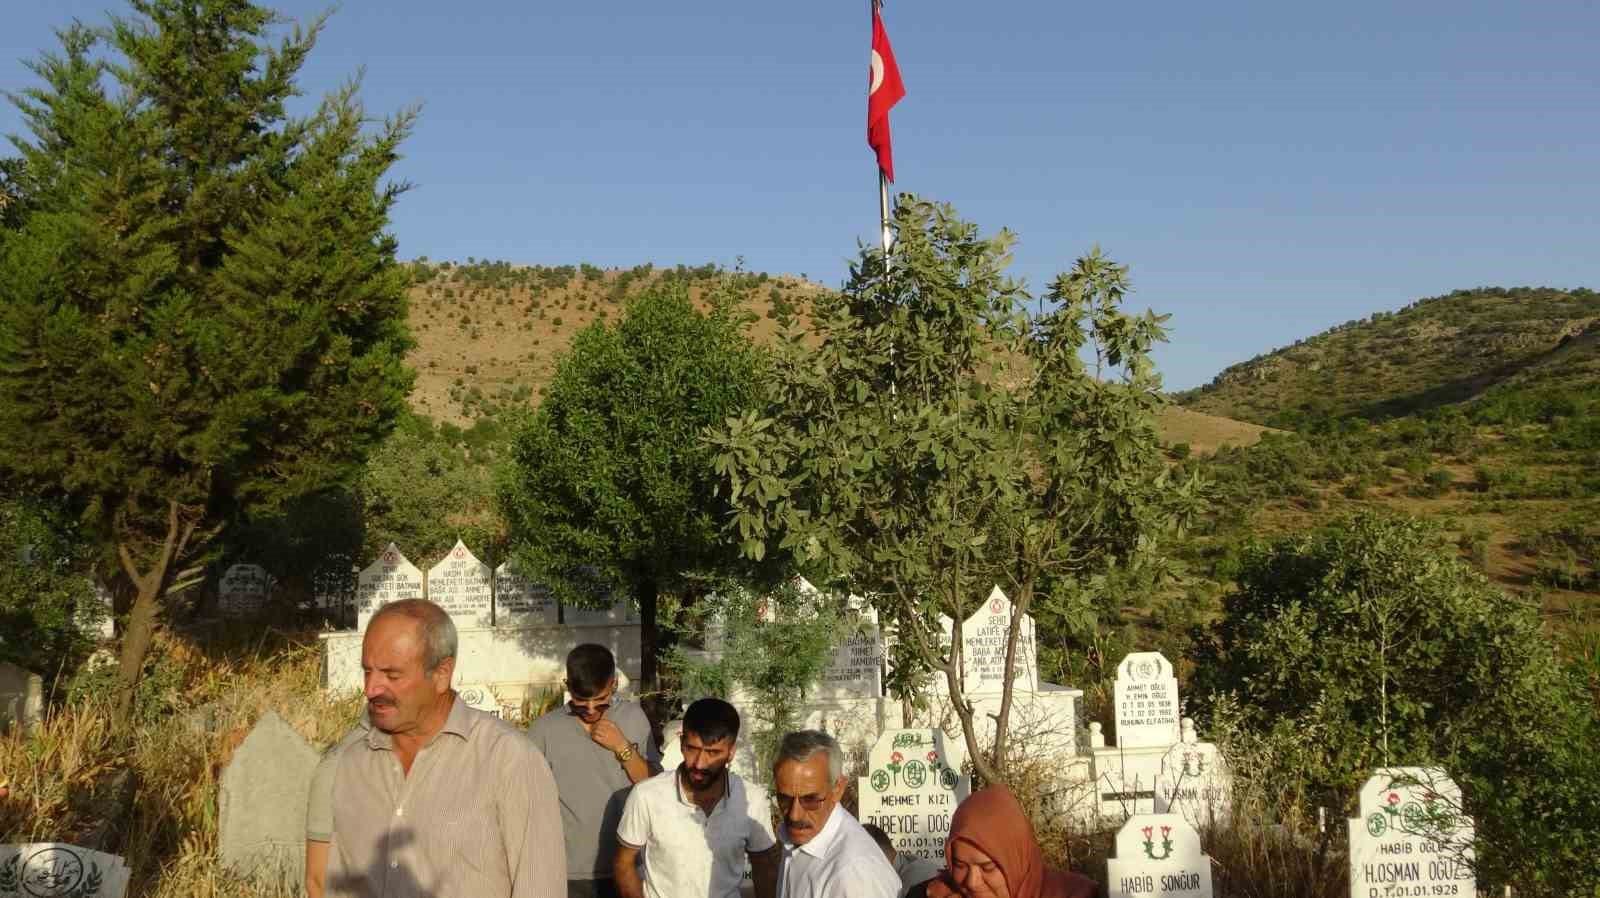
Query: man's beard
point(704, 779)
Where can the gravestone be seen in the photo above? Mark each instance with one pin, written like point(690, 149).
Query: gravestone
point(463, 586)
point(1411, 837)
point(243, 590)
point(856, 668)
point(1146, 695)
point(480, 697)
point(616, 614)
point(261, 803)
point(389, 579)
point(57, 870)
point(1194, 781)
point(911, 790)
point(21, 698)
point(103, 624)
point(983, 647)
point(519, 603)
point(1158, 856)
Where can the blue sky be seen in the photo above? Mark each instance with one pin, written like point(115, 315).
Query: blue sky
point(1267, 169)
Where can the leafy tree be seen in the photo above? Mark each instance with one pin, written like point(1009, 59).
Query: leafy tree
point(609, 480)
point(47, 602)
point(202, 313)
point(941, 440)
point(1369, 644)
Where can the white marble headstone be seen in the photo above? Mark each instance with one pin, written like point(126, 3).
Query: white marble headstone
point(1411, 834)
point(463, 586)
point(58, 870)
point(519, 603)
point(243, 590)
point(1146, 700)
point(1158, 856)
point(389, 579)
point(1194, 781)
point(983, 646)
point(913, 785)
point(480, 697)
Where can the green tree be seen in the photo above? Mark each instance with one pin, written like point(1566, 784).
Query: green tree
point(202, 312)
point(609, 481)
point(1367, 644)
point(941, 440)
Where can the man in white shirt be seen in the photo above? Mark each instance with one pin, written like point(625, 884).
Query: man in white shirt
point(826, 853)
point(695, 825)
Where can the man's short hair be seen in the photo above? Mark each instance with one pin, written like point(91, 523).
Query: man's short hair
point(589, 668)
point(801, 746)
point(434, 627)
point(881, 837)
point(712, 719)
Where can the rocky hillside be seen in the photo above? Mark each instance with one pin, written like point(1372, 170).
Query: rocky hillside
point(1435, 352)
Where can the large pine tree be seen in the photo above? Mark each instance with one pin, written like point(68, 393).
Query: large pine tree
point(201, 313)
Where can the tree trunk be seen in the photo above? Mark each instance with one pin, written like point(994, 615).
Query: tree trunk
point(142, 618)
point(651, 638)
point(1002, 723)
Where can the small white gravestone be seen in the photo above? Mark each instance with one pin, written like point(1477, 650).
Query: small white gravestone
point(1194, 781)
point(984, 636)
point(389, 579)
point(480, 697)
point(1411, 838)
point(243, 590)
point(21, 698)
point(856, 668)
point(1158, 856)
point(56, 870)
point(912, 789)
point(1146, 696)
point(463, 586)
point(519, 603)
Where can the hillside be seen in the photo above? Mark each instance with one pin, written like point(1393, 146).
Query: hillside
point(1435, 352)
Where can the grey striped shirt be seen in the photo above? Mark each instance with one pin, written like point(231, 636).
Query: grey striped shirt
point(477, 816)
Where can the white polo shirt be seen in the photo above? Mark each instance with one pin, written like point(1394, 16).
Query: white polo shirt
point(685, 851)
point(840, 861)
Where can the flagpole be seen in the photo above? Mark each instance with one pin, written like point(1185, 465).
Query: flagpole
point(883, 180)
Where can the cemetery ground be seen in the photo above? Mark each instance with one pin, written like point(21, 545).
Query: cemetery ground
point(150, 792)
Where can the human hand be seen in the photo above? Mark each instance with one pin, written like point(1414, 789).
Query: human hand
point(608, 735)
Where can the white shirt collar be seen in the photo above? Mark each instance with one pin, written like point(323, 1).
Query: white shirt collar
point(819, 844)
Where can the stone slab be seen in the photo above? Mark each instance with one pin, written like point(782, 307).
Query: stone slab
point(1158, 856)
point(464, 587)
point(243, 590)
point(59, 870)
point(1146, 701)
point(983, 644)
point(1411, 837)
point(261, 803)
point(21, 698)
point(389, 579)
point(521, 603)
point(1194, 782)
point(911, 789)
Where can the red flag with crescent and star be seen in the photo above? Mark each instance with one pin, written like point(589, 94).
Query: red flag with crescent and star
point(884, 89)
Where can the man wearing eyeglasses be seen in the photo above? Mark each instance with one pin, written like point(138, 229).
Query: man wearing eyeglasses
point(826, 853)
point(593, 746)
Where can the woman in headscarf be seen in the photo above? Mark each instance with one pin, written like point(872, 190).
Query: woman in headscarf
point(992, 853)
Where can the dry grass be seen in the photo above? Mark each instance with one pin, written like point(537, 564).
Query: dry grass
point(65, 771)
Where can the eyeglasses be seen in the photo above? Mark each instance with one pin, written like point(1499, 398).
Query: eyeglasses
point(580, 707)
point(809, 802)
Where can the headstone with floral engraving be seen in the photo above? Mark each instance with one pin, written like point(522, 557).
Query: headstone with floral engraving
point(912, 788)
point(1411, 837)
point(1158, 856)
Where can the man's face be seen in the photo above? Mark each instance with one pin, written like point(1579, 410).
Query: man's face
point(704, 762)
point(591, 708)
point(400, 695)
point(804, 795)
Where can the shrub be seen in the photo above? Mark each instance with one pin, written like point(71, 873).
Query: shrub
point(1372, 636)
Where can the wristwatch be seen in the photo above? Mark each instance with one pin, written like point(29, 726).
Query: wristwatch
point(626, 754)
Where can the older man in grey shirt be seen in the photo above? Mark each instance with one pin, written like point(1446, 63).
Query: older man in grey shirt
point(435, 798)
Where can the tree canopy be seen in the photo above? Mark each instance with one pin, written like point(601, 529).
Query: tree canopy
point(201, 313)
point(609, 481)
point(942, 440)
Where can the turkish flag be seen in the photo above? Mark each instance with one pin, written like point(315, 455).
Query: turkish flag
point(884, 89)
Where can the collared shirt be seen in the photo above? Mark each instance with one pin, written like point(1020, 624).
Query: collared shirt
point(840, 861)
point(477, 817)
point(592, 783)
point(686, 851)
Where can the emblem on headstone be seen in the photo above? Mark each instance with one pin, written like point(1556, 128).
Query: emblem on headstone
point(53, 872)
point(1150, 845)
